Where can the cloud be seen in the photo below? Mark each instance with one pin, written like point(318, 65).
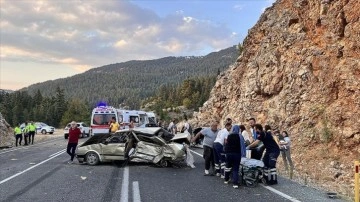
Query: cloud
point(87, 34)
point(238, 7)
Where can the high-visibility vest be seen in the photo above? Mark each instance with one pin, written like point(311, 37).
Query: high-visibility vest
point(17, 130)
point(32, 127)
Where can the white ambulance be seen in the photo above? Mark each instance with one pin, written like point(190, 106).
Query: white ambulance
point(101, 118)
point(125, 117)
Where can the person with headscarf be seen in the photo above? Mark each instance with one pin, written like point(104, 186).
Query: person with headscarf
point(236, 129)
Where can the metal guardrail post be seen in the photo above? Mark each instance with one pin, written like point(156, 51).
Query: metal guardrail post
point(357, 190)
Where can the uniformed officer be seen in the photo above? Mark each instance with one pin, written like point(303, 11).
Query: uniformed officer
point(32, 130)
point(18, 135)
point(271, 154)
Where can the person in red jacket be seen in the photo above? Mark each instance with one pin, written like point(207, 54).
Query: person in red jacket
point(74, 134)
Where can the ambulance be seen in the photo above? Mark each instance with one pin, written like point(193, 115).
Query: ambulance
point(126, 116)
point(101, 118)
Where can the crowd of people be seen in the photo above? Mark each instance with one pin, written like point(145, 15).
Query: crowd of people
point(224, 148)
point(27, 133)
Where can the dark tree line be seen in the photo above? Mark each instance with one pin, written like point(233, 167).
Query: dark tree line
point(19, 107)
point(191, 93)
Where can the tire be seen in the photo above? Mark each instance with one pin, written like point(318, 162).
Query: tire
point(92, 158)
point(83, 134)
point(164, 163)
point(66, 136)
point(43, 131)
point(88, 135)
point(51, 133)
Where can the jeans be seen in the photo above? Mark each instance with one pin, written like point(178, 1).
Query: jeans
point(219, 158)
point(287, 158)
point(232, 163)
point(72, 147)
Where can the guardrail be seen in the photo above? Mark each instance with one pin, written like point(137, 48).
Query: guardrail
point(357, 189)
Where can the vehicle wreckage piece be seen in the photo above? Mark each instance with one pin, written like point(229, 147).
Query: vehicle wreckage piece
point(153, 145)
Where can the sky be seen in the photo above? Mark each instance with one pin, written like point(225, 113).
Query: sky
point(47, 40)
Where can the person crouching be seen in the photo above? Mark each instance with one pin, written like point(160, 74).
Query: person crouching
point(233, 158)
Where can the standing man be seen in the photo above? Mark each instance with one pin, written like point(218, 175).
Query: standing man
point(252, 123)
point(271, 154)
point(32, 130)
point(219, 150)
point(114, 126)
point(18, 134)
point(74, 134)
point(209, 138)
point(26, 133)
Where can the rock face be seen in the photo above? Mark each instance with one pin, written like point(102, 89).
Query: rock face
point(6, 133)
point(300, 72)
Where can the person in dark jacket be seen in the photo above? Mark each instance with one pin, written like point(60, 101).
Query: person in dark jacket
point(233, 158)
point(271, 154)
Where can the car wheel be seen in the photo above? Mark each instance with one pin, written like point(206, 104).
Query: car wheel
point(164, 163)
point(43, 131)
point(88, 135)
point(92, 158)
point(83, 134)
point(66, 136)
point(51, 132)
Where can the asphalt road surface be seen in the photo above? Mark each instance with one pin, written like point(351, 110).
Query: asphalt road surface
point(40, 173)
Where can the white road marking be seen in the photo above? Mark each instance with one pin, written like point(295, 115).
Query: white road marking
point(266, 187)
point(136, 192)
point(32, 167)
point(196, 153)
point(57, 152)
point(280, 193)
point(27, 147)
point(125, 186)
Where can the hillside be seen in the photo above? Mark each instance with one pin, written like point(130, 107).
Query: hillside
point(300, 72)
point(130, 82)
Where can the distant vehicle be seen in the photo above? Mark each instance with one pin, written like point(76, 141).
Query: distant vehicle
point(100, 119)
point(40, 128)
point(85, 130)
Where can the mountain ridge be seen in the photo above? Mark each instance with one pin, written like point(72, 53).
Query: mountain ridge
point(132, 81)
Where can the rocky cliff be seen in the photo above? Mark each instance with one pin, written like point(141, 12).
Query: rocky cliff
point(6, 133)
point(300, 72)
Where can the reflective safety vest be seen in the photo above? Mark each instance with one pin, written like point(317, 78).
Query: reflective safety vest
point(32, 127)
point(17, 130)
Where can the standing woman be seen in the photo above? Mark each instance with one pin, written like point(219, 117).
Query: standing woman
point(271, 154)
point(285, 152)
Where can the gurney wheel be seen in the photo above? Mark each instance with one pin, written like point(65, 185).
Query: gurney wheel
point(250, 183)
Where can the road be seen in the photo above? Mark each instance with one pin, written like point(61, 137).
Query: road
point(40, 173)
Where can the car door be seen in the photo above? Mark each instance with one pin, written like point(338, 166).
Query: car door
point(113, 148)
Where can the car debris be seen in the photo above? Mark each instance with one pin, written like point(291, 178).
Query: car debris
point(150, 144)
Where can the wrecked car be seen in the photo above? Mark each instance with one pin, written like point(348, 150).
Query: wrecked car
point(150, 144)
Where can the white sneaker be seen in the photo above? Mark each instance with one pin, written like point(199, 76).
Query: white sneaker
point(222, 176)
point(226, 182)
point(218, 174)
point(70, 162)
point(236, 186)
